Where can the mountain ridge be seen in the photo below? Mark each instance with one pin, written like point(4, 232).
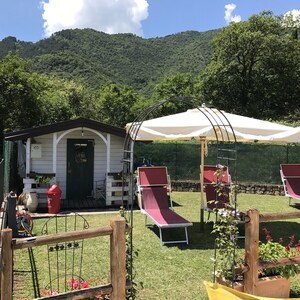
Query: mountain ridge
point(97, 57)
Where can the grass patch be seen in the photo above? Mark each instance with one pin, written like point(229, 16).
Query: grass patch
point(168, 272)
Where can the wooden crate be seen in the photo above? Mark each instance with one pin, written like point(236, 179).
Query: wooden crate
point(115, 191)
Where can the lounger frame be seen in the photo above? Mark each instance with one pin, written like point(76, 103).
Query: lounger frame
point(154, 186)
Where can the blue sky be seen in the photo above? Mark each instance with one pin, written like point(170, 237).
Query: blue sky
point(33, 20)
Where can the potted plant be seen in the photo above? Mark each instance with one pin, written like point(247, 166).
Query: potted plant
point(229, 263)
point(118, 175)
point(43, 180)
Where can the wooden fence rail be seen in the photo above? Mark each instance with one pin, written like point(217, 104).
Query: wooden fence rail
point(60, 237)
point(116, 230)
point(278, 216)
point(252, 247)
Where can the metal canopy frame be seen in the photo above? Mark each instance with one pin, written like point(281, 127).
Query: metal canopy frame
point(226, 149)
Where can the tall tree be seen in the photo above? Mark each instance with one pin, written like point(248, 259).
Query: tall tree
point(20, 89)
point(178, 85)
point(66, 99)
point(117, 105)
point(254, 69)
point(19, 92)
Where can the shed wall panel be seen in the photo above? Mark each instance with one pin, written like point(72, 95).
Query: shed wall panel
point(44, 164)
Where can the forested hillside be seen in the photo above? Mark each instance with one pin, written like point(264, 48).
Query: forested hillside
point(122, 58)
point(250, 68)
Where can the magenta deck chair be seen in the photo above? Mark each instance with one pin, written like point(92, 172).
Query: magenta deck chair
point(154, 185)
point(290, 176)
point(214, 199)
point(211, 177)
point(154, 176)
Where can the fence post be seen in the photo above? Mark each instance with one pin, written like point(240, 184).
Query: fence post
point(7, 263)
point(118, 258)
point(11, 213)
point(1, 181)
point(251, 251)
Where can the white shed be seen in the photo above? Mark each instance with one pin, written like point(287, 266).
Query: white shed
point(81, 156)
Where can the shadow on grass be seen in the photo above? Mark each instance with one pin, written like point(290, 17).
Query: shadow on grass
point(281, 229)
point(294, 293)
point(295, 205)
point(175, 204)
point(198, 239)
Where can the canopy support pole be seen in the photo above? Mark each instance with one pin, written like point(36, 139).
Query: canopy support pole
point(202, 140)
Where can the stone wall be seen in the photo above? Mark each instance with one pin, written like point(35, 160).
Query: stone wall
point(249, 188)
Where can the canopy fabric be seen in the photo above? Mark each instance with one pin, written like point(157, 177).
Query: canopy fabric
point(194, 123)
point(211, 124)
point(220, 292)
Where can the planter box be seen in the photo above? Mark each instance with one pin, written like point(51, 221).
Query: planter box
point(273, 286)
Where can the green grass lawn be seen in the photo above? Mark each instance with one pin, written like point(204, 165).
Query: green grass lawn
point(162, 272)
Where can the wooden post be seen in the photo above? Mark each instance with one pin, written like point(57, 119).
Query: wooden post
point(251, 251)
point(118, 258)
point(1, 180)
point(11, 214)
point(7, 263)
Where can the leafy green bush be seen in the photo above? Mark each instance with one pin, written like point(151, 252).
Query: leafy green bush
point(272, 250)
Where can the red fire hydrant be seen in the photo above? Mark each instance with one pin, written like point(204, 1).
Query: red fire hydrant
point(53, 196)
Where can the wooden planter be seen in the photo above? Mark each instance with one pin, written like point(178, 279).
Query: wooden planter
point(272, 286)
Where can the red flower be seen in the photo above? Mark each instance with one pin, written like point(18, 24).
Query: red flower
point(280, 241)
point(292, 239)
point(51, 293)
point(268, 236)
point(86, 284)
point(74, 283)
point(43, 292)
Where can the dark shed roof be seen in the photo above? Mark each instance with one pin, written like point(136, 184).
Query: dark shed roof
point(61, 126)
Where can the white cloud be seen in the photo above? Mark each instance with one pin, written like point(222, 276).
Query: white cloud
point(295, 14)
point(110, 16)
point(229, 8)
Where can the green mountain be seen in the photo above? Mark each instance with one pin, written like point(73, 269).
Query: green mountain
point(98, 57)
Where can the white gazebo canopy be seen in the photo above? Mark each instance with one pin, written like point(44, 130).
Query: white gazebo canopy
point(211, 124)
point(199, 122)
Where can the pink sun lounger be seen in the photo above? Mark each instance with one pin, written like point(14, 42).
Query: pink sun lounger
point(155, 187)
point(290, 176)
